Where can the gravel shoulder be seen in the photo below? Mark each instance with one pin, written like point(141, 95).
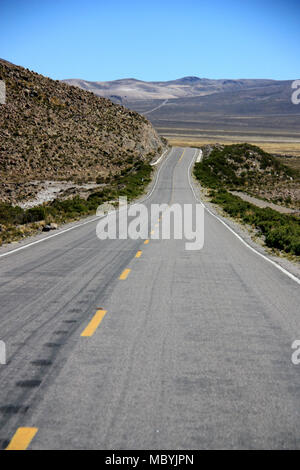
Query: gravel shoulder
point(261, 203)
point(51, 190)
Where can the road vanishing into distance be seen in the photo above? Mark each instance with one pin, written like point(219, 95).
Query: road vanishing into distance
point(137, 344)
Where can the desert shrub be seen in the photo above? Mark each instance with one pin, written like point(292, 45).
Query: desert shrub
point(130, 184)
point(11, 215)
point(220, 168)
point(100, 179)
point(34, 214)
point(281, 231)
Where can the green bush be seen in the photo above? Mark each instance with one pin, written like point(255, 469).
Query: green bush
point(281, 231)
point(34, 214)
point(10, 215)
point(218, 172)
point(130, 184)
point(220, 167)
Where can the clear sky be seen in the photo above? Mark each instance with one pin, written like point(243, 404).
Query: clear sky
point(154, 40)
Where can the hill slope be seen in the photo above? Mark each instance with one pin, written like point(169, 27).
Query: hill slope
point(248, 168)
point(129, 89)
point(51, 131)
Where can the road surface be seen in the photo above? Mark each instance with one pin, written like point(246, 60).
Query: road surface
point(188, 350)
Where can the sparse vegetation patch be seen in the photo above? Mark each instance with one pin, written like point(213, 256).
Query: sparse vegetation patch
point(248, 168)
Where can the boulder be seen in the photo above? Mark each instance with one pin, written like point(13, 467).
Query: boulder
point(49, 227)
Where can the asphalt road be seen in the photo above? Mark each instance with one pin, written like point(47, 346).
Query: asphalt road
point(194, 350)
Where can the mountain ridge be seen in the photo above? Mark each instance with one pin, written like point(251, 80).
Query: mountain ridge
point(195, 111)
point(128, 89)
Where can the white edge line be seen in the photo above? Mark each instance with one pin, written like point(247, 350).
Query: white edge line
point(159, 159)
point(199, 157)
point(88, 221)
point(285, 271)
point(47, 238)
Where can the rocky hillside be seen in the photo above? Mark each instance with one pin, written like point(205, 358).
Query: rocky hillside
point(52, 131)
point(248, 168)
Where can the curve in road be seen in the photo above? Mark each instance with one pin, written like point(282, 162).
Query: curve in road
point(185, 349)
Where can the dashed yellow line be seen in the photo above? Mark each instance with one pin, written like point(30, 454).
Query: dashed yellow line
point(94, 323)
point(172, 192)
point(181, 156)
point(152, 232)
point(124, 274)
point(146, 242)
point(138, 255)
point(22, 438)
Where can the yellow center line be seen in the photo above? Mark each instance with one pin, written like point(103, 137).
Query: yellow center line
point(152, 232)
point(138, 254)
point(181, 156)
point(94, 323)
point(146, 242)
point(124, 274)
point(172, 192)
point(22, 438)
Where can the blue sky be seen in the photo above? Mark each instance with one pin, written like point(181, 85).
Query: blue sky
point(157, 40)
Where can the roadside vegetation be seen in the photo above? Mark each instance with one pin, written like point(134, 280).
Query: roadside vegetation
point(242, 166)
point(228, 168)
point(16, 223)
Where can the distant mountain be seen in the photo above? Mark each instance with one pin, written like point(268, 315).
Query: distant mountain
point(50, 131)
point(193, 108)
point(235, 99)
point(127, 90)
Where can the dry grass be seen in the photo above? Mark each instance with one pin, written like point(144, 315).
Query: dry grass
point(292, 162)
point(281, 148)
